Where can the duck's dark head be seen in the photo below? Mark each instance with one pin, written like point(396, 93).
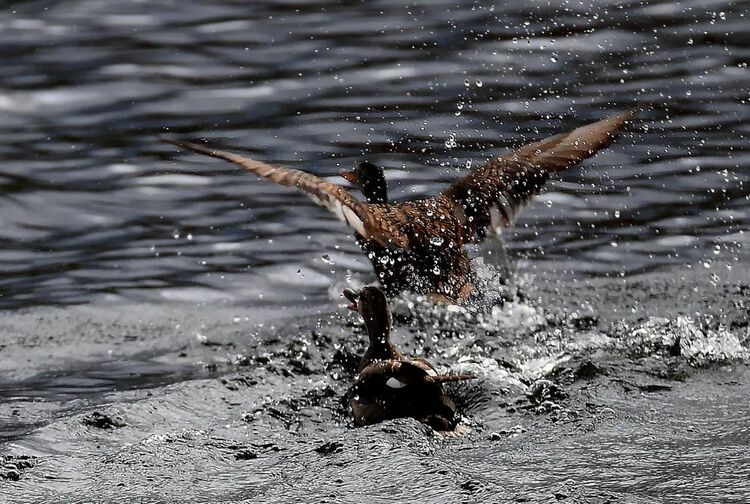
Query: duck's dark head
point(370, 179)
point(372, 305)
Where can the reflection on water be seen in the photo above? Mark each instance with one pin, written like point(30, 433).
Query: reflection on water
point(93, 204)
point(92, 380)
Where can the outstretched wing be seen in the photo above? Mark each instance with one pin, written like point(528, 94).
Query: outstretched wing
point(327, 194)
point(490, 197)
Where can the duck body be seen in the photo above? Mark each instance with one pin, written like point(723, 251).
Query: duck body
point(436, 264)
point(390, 385)
point(391, 388)
point(419, 245)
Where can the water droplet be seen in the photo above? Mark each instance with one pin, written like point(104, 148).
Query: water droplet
point(451, 142)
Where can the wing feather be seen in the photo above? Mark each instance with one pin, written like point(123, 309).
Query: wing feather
point(491, 196)
point(327, 194)
point(407, 372)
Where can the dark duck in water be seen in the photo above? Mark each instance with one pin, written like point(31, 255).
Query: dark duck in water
point(390, 385)
point(419, 245)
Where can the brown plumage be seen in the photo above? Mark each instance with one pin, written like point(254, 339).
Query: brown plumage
point(390, 385)
point(418, 245)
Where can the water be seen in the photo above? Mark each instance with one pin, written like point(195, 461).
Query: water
point(93, 205)
point(199, 304)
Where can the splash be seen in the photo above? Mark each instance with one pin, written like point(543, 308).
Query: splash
point(698, 343)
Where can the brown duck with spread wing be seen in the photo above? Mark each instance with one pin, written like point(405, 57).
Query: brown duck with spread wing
point(390, 385)
point(418, 245)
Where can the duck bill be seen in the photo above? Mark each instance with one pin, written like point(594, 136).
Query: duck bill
point(351, 296)
point(349, 176)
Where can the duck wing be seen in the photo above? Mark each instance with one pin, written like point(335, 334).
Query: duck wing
point(399, 374)
point(327, 194)
point(434, 377)
point(490, 197)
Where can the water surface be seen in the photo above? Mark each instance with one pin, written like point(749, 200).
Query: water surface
point(93, 205)
point(198, 305)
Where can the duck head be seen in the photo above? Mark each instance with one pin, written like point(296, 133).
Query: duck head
point(370, 180)
point(372, 304)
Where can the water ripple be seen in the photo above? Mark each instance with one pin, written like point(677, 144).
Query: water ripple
point(91, 202)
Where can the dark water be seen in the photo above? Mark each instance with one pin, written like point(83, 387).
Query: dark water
point(93, 205)
point(205, 301)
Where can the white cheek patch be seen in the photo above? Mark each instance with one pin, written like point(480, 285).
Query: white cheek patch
point(395, 384)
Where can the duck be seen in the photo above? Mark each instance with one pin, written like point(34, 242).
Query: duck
point(419, 245)
point(390, 385)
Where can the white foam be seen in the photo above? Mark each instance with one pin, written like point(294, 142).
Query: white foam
point(516, 316)
point(700, 347)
